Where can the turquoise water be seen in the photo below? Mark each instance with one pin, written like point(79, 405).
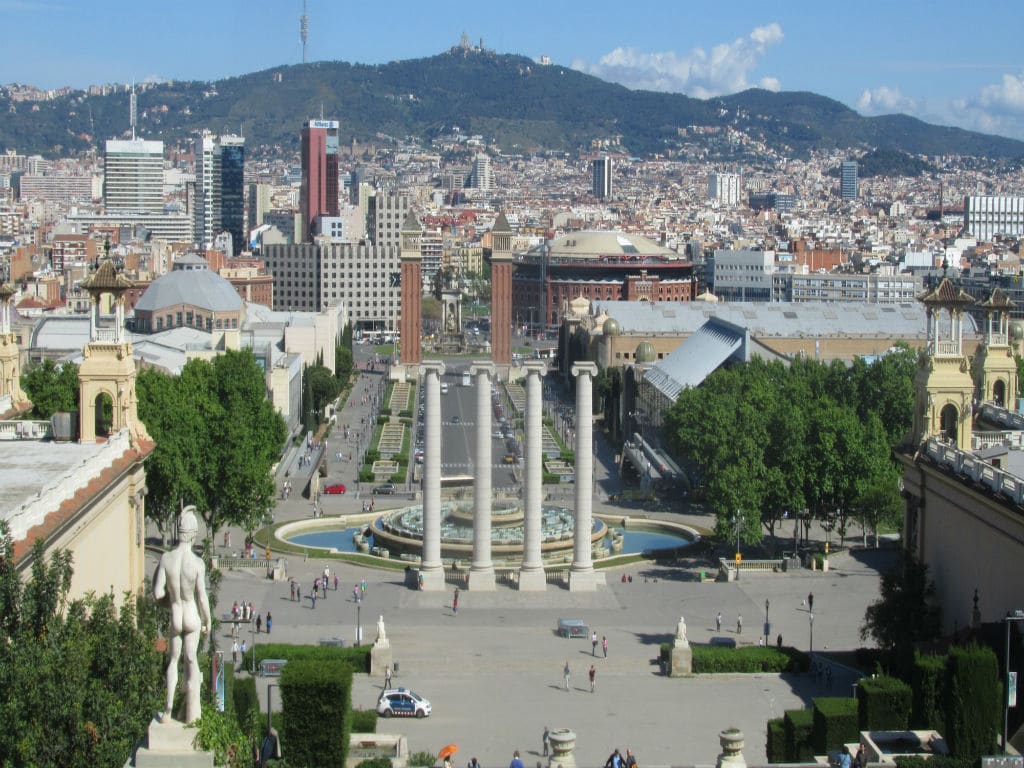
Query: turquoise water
point(635, 541)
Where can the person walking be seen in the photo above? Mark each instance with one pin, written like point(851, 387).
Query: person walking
point(516, 760)
point(312, 597)
point(810, 601)
point(546, 745)
point(293, 592)
point(593, 677)
point(259, 622)
point(630, 760)
point(387, 676)
point(565, 673)
point(455, 602)
point(604, 645)
point(234, 654)
point(270, 621)
point(593, 644)
point(739, 623)
point(335, 582)
point(718, 622)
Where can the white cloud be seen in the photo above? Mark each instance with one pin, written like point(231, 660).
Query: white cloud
point(885, 101)
point(1007, 96)
point(700, 73)
point(998, 108)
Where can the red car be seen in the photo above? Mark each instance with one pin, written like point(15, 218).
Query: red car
point(334, 488)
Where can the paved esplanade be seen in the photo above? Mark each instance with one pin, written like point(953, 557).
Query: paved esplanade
point(481, 574)
point(431, 568)
point(531, 573)
point(582, 577)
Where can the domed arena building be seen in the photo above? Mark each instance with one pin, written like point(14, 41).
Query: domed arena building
point(190, 296)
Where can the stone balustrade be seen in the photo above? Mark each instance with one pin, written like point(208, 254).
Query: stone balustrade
point(50, 497)
point(24, 430)
point(969, 466)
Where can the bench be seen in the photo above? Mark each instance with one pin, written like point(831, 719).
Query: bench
point(272, 667)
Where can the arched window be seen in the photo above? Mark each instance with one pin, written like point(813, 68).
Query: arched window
point(949, 421)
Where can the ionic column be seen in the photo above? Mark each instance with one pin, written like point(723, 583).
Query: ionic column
point(431, 568)
point(581, 575)
point(481, 574)
point(531, 574)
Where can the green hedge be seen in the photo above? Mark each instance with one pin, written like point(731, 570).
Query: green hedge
point(357, 657)
point(835, 723)
point(775, 746)
point(883, 704)
point(926, 684)
point(363, 720)
point(798, 724)
point(245, 701)
point(316, 699)
point(710, 659)
point(971, 702)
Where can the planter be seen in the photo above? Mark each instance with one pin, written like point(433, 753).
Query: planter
point(563, 742)
point(732, 749)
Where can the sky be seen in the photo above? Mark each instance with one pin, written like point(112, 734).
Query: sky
point(950, 63)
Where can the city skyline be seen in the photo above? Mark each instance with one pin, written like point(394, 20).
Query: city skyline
point(877, 59)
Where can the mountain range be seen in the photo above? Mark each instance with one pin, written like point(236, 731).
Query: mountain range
point(510, 100)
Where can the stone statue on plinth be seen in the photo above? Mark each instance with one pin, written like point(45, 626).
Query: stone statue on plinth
point(382, 636)
point(681, 657)
point(180, 583)
point(681, 639)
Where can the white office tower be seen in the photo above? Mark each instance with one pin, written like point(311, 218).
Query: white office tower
point(602, 177)
point(483, 176)
point(725, 188)
point(133, 179)
point(208, 191)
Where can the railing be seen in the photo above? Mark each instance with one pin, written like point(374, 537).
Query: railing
point(968, 466)
point(245, 562)
point(1012, 439)
point(24, 430)
point(947, 348)
point(1002, 416)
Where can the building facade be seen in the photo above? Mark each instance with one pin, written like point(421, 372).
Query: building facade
point(319, 188)
point(133, 180)
point(724, 187)
point(601, 171)
point(848, 180)
point(990, 216)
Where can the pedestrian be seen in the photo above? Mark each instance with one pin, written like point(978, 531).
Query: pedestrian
point(518, 763)
point(269, 622)
point(323, 588)
point(312, 597)
point(473, 763)
point(565, 673)
point(546, 745)
point(844, 757)
point(234, 654)
point(243, 649)
point(362, 585)
point(292, 598)
point(630, 760)
point(455, 601)
point(387, 676)
point(718, 622)
point(860, 759)
point(335, 582)
point(259, 622)
point(593, 677)
point(355, 593)
point(593, 644)
point(778, 640)
point(614, 760)
point(739, 623)
point(810, 601)
point(604, 645)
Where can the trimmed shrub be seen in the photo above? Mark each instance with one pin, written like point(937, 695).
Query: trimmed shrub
point(926, 684)
point(835, 723)
point(775, 746)
point(798, 725)
point(372, 455)
point(245, 700)
point(421, 759)
point(971, 702)
point(883, 704)
point(375, 762)
point(363, 721)
point(366, 475)
point(357, 657)
point(316, 698)
point(709, 659)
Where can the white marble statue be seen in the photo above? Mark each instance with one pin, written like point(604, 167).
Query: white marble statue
point(382, 636)
point(681, 632)
point(180, 583)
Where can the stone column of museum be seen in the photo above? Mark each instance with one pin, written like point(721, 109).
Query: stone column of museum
point(501, 294)
point(531, 574)
point(410, 324)
point(581, 575)
point(481, 573)
point(431, 568)
point(10, 375)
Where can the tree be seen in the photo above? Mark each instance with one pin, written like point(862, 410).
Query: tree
point(52, 388)
point(905, 613)
point(323, 387)
point(81, 679)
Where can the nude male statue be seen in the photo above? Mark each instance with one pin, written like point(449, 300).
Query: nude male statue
point(180, 582)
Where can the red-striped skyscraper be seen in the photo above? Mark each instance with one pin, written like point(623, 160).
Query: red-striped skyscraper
point(318, 195)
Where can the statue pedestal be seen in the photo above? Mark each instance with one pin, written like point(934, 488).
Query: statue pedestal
point(380, 657)
point(563, 742)
point(170, 744)
point(585, 580)
point(732, 749)
point(681, 661)
point(533, 580)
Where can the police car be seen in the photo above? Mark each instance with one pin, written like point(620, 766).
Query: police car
point(398, 702)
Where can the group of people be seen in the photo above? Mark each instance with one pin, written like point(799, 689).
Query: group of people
point(591, 675)
point(286, 489)
point(616, 760)
point(739, 623)
point(593, 644)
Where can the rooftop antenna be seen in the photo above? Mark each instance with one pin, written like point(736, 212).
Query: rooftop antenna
point(133, 109)
point(304, 30)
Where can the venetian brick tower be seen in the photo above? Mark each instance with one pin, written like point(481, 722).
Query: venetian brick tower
point(501, 294)
point(411, 322)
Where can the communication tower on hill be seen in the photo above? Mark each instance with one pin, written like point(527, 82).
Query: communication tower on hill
point(304, 30)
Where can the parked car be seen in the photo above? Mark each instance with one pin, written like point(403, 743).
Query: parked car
point(510, 458)
point(333, 488)
point(385, 489)
point(398, 702)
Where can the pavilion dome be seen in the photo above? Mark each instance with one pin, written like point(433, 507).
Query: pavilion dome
point(645, 352)
point(611, 327)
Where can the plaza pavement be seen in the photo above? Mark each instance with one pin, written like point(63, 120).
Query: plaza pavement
point(493, 673)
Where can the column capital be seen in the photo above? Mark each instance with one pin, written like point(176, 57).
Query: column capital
point(586, 367)
point(482, 366)
point(536, 366)
point(432, 366)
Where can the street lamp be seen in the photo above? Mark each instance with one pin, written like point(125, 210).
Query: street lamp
point(736, 523)
point(359, 622)
point(252, 636)
point(810, 618)
point(1017, 615)
point(767, 626)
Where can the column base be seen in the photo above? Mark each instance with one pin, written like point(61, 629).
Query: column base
point(585, 581)
point(170, 744)
point(532, 580)
point(432, 579)
point(482, 580)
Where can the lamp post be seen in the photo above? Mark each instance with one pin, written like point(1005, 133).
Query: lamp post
point(767, 626)
point(359, 622)
point(810, 618)
point(736, 524)
point(252, 637)
point(1017, 615)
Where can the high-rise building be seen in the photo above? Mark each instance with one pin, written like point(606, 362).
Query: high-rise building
point(724, 187)
point(848, 180)
point(318, 191)
point(206, 208)
point(482, 177)
point(987, 216)
point(385, 214)
point(232, 194)
point(259, 204)
point(133, 180)
point(602, 170)
point(220, 190)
